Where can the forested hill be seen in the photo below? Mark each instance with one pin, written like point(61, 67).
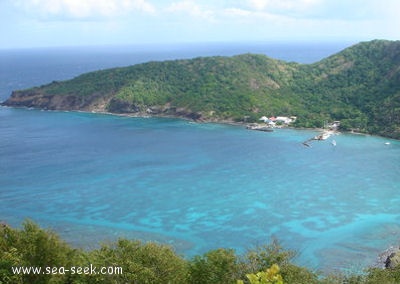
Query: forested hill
point(360, 86)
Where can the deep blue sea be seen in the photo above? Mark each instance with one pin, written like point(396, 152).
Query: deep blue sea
point(96, 177)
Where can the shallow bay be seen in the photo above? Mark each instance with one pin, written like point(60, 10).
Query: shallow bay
point(96, 177)
point(93, 177)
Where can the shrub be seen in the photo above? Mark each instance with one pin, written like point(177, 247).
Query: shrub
point(140, 263)
point(33, 246)
point(216, 266)
point(270, 276)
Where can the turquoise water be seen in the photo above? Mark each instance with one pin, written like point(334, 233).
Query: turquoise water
point(95, 177)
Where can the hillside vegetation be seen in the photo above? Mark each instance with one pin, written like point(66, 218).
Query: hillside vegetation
point(360, 86)
point(128, 261)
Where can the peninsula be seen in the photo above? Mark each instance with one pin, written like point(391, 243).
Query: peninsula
point(359, 86)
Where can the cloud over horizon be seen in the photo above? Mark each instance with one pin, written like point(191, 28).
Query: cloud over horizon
point(129, 21)
point(84, 9)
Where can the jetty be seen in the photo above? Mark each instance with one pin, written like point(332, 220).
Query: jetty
point(320, 137)
point(260, 127)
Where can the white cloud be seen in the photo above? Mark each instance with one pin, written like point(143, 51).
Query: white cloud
point(102, 21)
point(283, 6)
point(191, 8)
point(354, 10)
point(82, 9)
point(237, 12)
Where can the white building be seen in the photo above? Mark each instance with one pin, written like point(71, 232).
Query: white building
point(284, 119)
point(279, 119)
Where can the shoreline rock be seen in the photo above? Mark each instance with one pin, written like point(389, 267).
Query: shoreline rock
point(388, 258)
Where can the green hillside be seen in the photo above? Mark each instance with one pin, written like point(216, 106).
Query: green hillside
point(359, 86)
point(366, 79)
point(34, 255)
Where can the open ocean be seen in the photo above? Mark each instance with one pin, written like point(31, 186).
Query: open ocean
point(96, 177)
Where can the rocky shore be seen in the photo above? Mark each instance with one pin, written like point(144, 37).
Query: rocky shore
point(388, 258)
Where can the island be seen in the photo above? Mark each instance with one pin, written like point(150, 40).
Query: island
point(359, 86)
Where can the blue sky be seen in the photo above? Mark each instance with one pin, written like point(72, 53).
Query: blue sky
point(47, 23)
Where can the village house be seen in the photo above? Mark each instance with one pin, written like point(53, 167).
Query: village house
point(272, 121)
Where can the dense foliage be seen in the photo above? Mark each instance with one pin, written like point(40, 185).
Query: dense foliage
point(141, 262)
point(359, 86)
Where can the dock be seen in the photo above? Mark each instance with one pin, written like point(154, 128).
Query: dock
point(260, 128)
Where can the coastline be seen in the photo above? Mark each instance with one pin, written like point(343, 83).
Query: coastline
point(383, 258)
point(89, 117)
point(188, 118)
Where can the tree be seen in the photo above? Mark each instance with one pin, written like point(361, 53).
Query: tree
point(140, 263)
point(216, 266)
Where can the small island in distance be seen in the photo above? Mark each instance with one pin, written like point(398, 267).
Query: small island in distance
point(359, 86)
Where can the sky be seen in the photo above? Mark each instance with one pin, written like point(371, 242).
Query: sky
point(50, 23)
